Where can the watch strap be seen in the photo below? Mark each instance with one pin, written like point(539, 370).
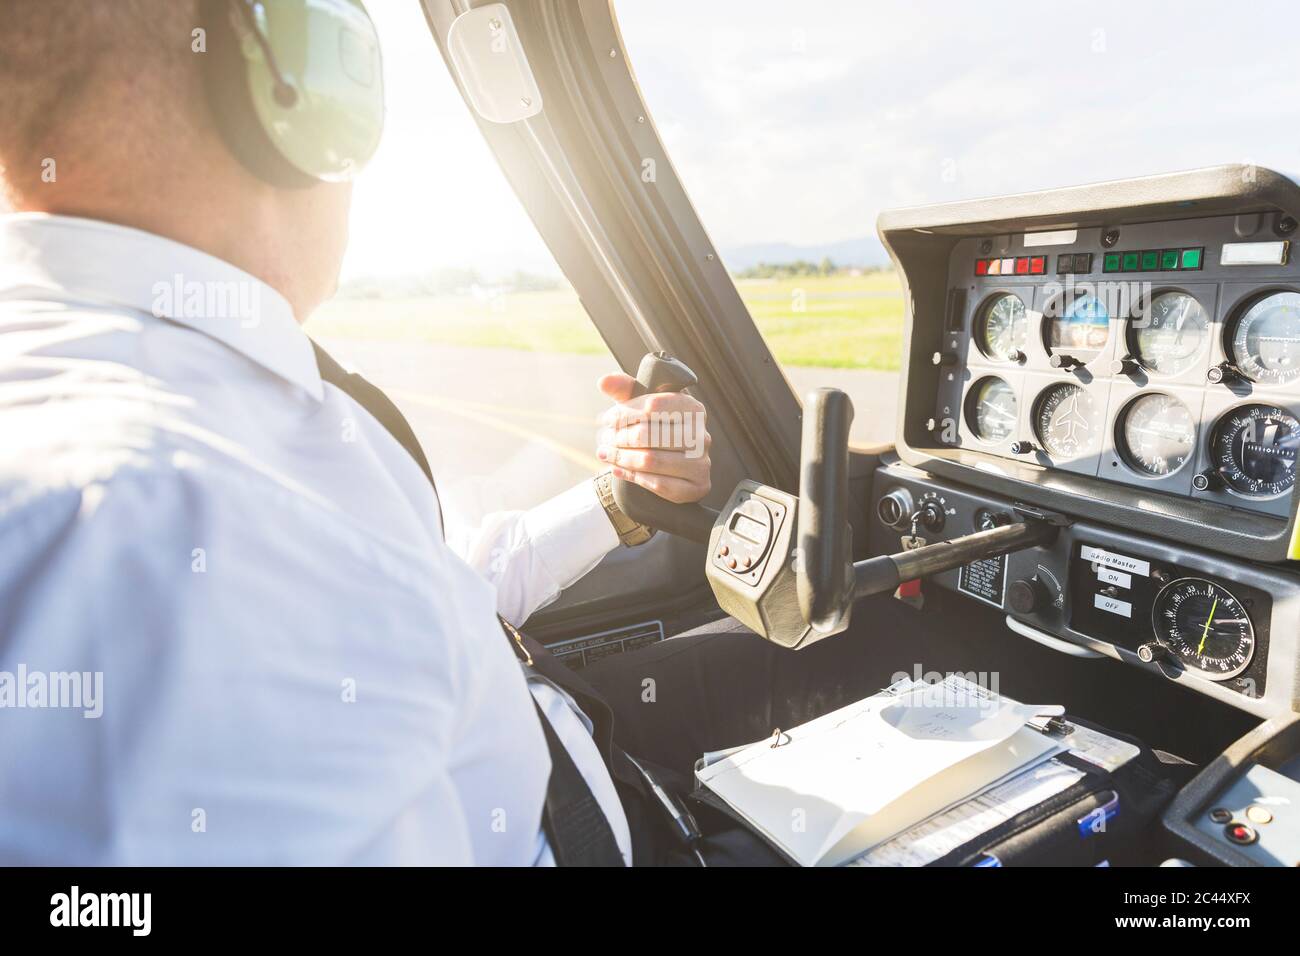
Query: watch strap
point(630, 533)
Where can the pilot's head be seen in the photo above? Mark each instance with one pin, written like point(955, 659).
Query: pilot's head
point(229, 125)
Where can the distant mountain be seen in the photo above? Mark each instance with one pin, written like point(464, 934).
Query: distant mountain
point(866, 252)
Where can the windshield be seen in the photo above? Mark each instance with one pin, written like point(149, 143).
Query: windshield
point(793, 126)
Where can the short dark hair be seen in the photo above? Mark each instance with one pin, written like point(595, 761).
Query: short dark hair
point(78, 68)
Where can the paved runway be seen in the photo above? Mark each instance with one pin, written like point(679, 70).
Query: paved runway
point(506, 428)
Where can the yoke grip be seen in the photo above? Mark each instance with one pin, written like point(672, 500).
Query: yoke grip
point(660, 372)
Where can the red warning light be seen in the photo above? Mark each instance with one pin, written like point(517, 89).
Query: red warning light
point(1022, 266)
point(1038, 265)
point(981, 267)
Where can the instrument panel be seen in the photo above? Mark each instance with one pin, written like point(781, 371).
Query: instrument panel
point(1162, 355)
point(1222, 628)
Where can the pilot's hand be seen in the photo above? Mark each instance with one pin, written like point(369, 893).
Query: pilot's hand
point(659, 441)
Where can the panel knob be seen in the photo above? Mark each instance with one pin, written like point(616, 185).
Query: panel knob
point(1208, 480)
point(932, 516)
point(1021, 447)
point(1064, 361)
point(1152, 651)
point(1026, 595)
point(1224, 372)
point(1124, 366)
point(944, 358)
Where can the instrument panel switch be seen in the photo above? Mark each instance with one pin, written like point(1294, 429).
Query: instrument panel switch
point(1240, 833)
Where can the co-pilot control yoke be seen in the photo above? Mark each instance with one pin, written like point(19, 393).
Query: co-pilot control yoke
point(782, 565)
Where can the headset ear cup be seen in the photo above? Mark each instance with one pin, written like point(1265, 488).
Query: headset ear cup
point(226, 81)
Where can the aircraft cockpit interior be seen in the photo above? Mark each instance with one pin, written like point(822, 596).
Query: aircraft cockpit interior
point(493, 514)
point(1091, 492)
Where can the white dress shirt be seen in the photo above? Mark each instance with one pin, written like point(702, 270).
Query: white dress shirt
point(295, 667)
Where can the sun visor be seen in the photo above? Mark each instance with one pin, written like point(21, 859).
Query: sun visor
point(491, 65)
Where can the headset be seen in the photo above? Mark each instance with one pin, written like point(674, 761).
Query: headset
point(296, 86)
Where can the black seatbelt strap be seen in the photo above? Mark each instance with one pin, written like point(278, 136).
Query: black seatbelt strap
point(376, 403)
point(575, 826)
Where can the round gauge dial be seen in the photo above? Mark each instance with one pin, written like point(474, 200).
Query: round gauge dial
point(1253, 448)
point(1205, 627)
point(1265, 339)
point(991, 410)
point(1156, 435)
point(1066, 420)
point(1078, 328)
point(1166, 337)
point(1000, 328)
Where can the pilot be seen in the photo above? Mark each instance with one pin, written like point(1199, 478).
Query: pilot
point(237, 545)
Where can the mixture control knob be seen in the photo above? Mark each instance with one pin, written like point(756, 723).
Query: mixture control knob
point(1027, 595)
point(1152, 651)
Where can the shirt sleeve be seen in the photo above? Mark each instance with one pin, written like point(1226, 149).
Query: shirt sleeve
point(268, 728)
point(531, 556)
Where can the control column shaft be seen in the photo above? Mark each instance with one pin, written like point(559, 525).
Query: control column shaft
point(884, 573)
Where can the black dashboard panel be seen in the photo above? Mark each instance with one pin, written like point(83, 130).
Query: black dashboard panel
point(1097, 350)
point(1106, 592)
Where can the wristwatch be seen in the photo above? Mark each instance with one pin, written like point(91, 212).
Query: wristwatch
point(630, 532)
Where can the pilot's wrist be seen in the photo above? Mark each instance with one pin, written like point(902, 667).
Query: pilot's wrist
point(630, 533)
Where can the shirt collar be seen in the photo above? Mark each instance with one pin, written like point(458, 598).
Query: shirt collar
point(115, 265)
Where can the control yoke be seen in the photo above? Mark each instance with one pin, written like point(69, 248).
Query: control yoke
point(782, 565)
point(660, 372)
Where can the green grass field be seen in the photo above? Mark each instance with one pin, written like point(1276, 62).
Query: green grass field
point(835, 321)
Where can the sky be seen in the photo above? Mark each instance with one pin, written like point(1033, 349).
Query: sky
point(800, 122)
